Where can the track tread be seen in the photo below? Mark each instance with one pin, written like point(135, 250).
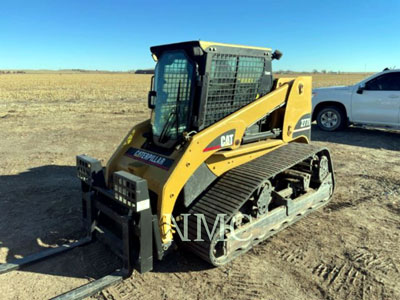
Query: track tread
point(247, 177)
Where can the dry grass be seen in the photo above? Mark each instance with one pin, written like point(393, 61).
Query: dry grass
point(57, 93)
point(72, 87)
point(95, 93)
point(51, 88)
point(320, 80)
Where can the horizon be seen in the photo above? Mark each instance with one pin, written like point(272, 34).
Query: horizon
point(327, 72)
point(116, 36)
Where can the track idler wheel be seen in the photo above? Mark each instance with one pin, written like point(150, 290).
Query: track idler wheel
point(320, 169)
point(263, 198)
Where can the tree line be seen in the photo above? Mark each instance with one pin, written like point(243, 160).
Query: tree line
point(12, 72)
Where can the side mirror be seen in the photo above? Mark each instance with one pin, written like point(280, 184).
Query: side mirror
point(361, 89)
point(152, 95)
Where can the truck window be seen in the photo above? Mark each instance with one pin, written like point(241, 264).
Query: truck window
point(386, 82)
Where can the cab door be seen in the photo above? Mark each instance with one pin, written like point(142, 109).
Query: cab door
point(378, 102)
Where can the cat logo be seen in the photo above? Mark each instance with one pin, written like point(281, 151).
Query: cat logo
point(224, 140)
point(227, 140)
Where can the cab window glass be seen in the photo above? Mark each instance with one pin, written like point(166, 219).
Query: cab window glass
point(386, 82)
point(174, 84)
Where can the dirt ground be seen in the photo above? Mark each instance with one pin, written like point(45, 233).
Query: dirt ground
point(347, 250)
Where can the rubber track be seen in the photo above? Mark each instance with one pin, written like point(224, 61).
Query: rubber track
point(236, 187)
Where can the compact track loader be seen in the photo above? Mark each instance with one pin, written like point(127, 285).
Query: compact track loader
point(223, 163)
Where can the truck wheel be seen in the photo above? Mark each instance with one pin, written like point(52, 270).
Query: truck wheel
point(331, 118)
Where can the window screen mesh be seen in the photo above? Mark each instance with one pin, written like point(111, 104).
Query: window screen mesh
point(234, 82)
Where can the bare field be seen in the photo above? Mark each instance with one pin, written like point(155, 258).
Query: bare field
point(347, 250)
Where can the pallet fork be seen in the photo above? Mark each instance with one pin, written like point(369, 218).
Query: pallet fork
point(121, 218)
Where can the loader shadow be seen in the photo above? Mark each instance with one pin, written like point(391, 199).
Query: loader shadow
point(388, 139)
point(41, 208)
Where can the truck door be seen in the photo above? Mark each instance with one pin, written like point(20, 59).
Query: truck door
point(379, 101)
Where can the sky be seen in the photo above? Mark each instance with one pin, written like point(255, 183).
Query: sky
point(347, 36)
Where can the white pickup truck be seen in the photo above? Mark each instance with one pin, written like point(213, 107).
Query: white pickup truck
point(373, 101)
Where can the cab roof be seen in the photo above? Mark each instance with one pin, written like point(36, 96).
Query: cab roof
point(203, 45)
